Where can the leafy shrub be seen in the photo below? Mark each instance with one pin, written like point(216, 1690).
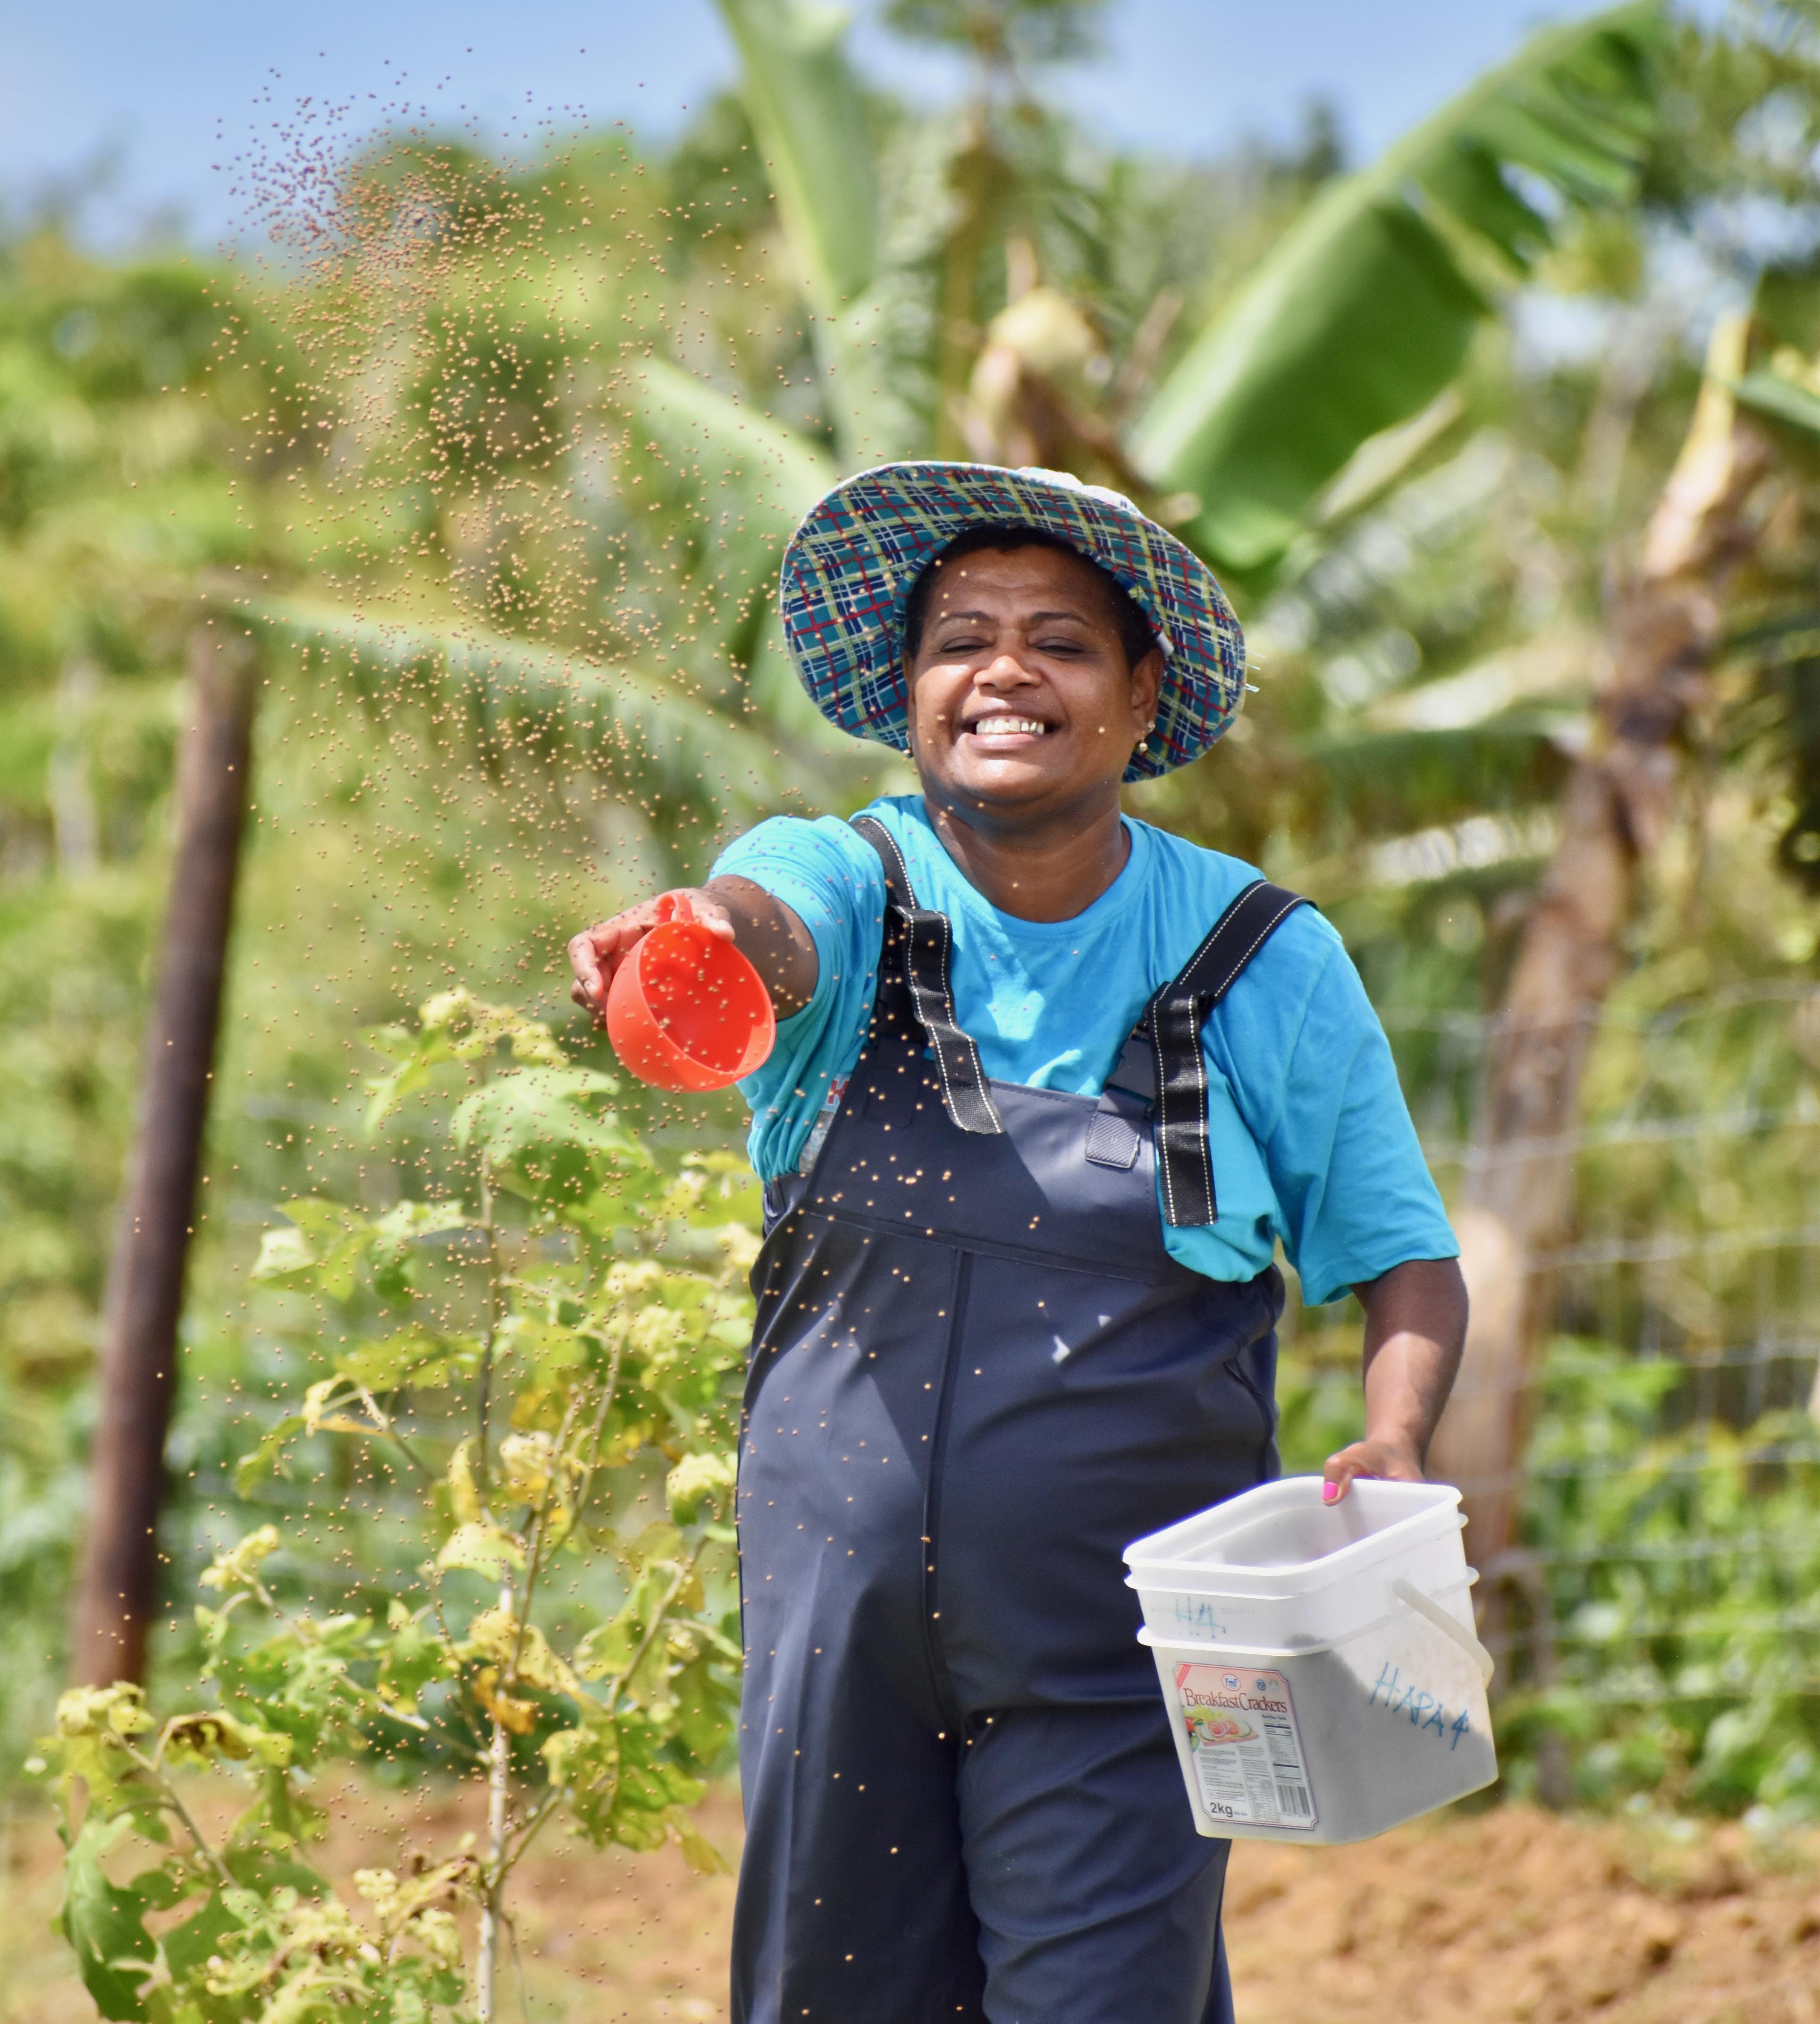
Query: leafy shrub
point(1680, 1568)
point(529, 1354)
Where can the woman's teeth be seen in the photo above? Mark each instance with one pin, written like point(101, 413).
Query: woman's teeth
point(1007, 727)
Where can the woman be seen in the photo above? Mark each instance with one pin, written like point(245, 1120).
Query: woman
point(1049, 1086)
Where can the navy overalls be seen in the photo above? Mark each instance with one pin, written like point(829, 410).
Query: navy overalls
point(977, 1375)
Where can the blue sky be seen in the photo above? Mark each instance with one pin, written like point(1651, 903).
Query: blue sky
point(173, 90)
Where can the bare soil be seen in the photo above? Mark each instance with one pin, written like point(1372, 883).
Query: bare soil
point(1512, 1914)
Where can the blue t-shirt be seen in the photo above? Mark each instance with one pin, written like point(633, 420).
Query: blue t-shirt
point(1312, 1141)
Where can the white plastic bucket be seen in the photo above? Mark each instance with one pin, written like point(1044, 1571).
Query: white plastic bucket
point(1319, 1661)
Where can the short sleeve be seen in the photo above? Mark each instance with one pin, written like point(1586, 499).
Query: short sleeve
point(1354, 1191)
point(832, 881)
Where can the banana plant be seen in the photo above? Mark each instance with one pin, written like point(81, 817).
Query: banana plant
point(808, 110)
point(1354, 321)
point(1362, 312)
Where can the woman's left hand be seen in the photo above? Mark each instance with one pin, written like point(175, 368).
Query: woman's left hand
point(1390, 1460)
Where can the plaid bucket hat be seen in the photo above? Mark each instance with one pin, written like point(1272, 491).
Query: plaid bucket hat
point(850, 567)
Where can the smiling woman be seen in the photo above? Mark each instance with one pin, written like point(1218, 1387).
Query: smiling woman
point(1033, 678)
point(1049, 1087)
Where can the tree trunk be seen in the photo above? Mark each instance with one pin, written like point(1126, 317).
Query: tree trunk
point(145, 1275)
point(976, 181)
point(1662, 625)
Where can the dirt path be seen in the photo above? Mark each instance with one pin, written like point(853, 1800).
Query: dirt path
point(1516, 1914)
point(1511, 1915)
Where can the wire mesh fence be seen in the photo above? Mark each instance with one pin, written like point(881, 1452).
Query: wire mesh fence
point(1663, 1601)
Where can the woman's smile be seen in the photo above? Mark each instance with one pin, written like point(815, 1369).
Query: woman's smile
point(1004, 729)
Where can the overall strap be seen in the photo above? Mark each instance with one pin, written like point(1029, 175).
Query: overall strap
point(927, 940)
point(1171, 1068)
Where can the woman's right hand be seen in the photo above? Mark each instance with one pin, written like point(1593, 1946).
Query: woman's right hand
point(596, 953)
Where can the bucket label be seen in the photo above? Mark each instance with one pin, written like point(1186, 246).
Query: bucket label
point(1244, 1747)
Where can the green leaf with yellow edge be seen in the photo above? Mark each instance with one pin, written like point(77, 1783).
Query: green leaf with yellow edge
point(482, 1548)
point(695, 1479)
point(529, 1468)
point(284, 1254)
point(584, 1762)
point(237, 1567)
point(549, 1348)
point(414, 1655)
point(663, 1586)
point(188, 1947)
point(650, 1783)
point(464, 1503)
point(494, 1633)
point(320, 1251)
point(97, 1729)
point(699, 1852)
point(210, 1736)
point(626, 1199)
point(396, 1235)
point(453, 1026)
point(511, 1710)
point(704, 1692)
point(117, 1712)
point(323, 1402)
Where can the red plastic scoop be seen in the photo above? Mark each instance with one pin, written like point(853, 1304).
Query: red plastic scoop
point(686, 1010)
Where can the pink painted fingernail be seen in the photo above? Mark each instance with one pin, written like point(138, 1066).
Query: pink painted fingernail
point(1329, 1492)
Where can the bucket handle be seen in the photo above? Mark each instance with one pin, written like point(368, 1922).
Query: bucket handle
point(1406, 1592)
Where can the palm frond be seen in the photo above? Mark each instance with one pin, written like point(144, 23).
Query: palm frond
point(514, 694)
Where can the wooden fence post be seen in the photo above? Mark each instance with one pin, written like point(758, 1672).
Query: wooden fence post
point(117, 1593)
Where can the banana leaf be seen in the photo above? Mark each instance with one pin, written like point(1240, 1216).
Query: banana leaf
point(625, 722)
point(806, 108)
point(1782, 400)
point(739, 481)
point(769, 475)
point(1363, 310)
point(808, 113)
point(1391, 780)
point(746, 482)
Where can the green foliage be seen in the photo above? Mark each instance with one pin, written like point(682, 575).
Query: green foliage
point(1679, 1613)
point(1363, 312)
point(635, 729)
point(806, 107)
point(607, 1323)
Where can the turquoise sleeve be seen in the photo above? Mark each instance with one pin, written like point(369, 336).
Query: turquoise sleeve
point(1355, 1191)
point(1311, 1141)
point(831, 880)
